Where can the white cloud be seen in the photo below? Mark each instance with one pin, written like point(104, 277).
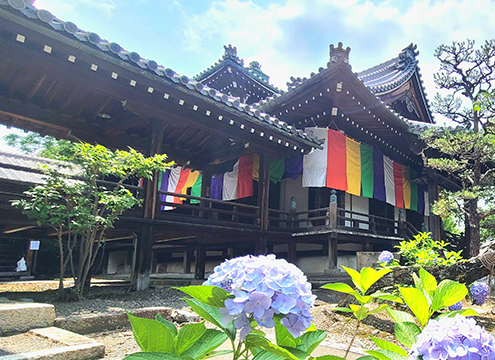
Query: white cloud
point(64, 8)
point(293, 38)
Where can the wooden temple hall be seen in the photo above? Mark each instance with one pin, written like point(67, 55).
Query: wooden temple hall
point(314, 174)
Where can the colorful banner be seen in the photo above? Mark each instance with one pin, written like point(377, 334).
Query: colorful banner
point(367, 180)
point(337, 161)
point(315, 163)
point(353, 166)
point(378, 176)
point(388, 168)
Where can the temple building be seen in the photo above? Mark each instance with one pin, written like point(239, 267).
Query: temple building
point(315, 174)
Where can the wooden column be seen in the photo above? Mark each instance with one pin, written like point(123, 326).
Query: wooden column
point(332, 251)
point(292, 252)
point(263, 202)
point(186, 264)
point(141, 276)
point(200, 264)
point(205, 191)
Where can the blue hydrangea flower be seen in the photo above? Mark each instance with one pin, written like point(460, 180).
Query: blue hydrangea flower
point(456, 338)
point(456, 306)
point(479, 292)
point(385, 257)
point(263, 286)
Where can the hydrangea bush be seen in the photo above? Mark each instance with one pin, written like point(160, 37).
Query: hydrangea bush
point(264, 286)
point(456, 338)
point(479, 292)
point(386, 258)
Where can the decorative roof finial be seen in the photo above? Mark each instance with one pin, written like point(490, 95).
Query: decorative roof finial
point(408, 56)
point(339, 54)
point(231, 53)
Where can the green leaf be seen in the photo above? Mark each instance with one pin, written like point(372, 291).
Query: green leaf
point(407, 333)
point(167, 323)
point(218, 353)
point(151, 335)
point(153, 356)
point(209, 341)
point(282, 336)
point(211, 295)
point(385, 345)
point(188, 335)
point(340, 287)
point(378, 309)
point(355, 276)
point(362, 299)
point(253, 340)
point(386, 296)
point(330, 357)
point(399, 316)
point(448, 293)
point(366, 357)
point(360, 312)
point(266, 355)
point(211, 314)
point(386, 355)
point(369, 276)
point(417, 302)
point(343, 309)
point(429, 282)
point(310, 340)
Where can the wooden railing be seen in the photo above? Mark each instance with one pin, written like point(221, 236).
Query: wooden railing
point(218, 212)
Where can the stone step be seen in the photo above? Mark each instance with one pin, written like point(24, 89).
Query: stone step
point(21, 317)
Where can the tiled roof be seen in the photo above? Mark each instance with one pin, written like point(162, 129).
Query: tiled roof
point(230, 57)
point(25, 168)
point(391, 74)
point(91, 39)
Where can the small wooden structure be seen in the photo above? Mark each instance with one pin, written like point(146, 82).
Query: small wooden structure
point(59, 80)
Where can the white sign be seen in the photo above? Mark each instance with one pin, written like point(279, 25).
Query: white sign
point(34, 245)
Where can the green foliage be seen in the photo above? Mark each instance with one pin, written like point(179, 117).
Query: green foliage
point(34, 144)
point(158, 340)
point(424, 251)
point(196, 342)
point(362, 281)
point(78, 206)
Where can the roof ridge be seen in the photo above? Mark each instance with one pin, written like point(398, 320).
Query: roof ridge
point(92, 39)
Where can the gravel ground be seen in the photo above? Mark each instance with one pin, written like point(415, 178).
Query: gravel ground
point(104, 300)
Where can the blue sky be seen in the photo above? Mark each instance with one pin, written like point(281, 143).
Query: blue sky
point(287, 37)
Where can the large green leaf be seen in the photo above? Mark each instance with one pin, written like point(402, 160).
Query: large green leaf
point(211, 295)
point(399, 316)
point(355, 276)
point(282, 336)
point(211, 314)
point(152, 335)
point(330, 357)
point(343, 309)
point(153, 356)
point(369, 276)
point(386, 355)
point(429, 282)
point(218, 353)
point(385, 345)
point(266, 355)
point(310, 340)
point(188, 335)
point(407, 333)
point(209, 341)
point(167, 323)
point(386, 296)
point(340, 287)
point(253, 340)
point(417, 302)
point(448, 293)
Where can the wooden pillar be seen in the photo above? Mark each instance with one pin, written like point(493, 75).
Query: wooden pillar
point(263, 203)
point(186, 264)
point(205, 192)
point(141, 274)
point(332, 251)
point(200, 264)
point(292, 252)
